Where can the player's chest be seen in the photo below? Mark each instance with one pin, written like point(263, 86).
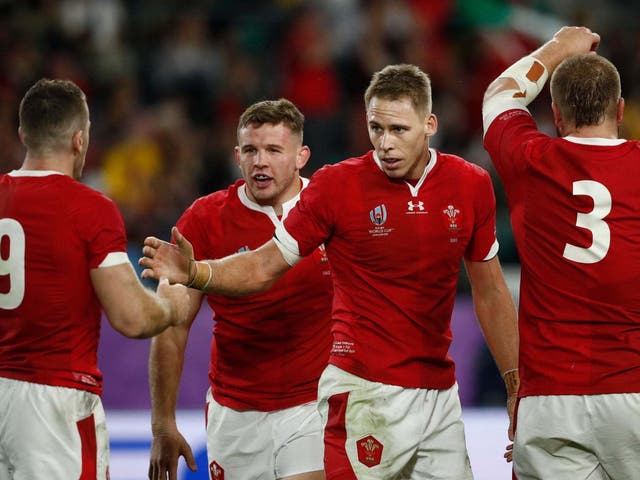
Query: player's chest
point(440, 218)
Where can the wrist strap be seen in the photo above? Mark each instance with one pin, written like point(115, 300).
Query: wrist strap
point(198, 282)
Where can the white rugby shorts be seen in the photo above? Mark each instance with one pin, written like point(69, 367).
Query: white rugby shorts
point(255, 445)
point(375, 431)
point(578, 437)
point(56, 433)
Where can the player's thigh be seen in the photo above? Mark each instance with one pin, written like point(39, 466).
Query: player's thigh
point(299, 448)
point(372, 431)
point(56, 433)
point(616, 426)
point(239, 444)
point(554, 439)
point(442, 454)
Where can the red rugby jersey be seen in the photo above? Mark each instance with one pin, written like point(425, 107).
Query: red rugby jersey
point(53, 230)
point(395, 252)
point(268, 348)
point(575, 214)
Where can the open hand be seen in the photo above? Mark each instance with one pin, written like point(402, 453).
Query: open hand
point(165, 260)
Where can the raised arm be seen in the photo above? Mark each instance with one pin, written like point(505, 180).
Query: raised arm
point(497, 318)
point(166, 360)
point(238, 274)
point(133, 310)
point(526, 77)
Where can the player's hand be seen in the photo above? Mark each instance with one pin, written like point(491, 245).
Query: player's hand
point(165, 260)
point(508, 455)
point(166, 450)
point(577, 40)
point(179, 301)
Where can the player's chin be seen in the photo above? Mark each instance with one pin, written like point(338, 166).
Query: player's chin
point(394, 172)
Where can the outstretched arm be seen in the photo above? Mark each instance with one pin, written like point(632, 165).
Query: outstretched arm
point(525, 78)
point(238, 274)
point(497, 318)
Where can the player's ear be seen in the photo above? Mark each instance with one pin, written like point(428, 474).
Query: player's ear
point(77, 141)
point(236, 154)
point(557, 117)
point(430, 125)
point(302, 156)
point(620, 111)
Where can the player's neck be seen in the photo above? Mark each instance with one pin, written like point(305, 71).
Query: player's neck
point(607, 129)
point(55, 163)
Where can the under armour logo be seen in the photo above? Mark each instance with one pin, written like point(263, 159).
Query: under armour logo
point(419, 205)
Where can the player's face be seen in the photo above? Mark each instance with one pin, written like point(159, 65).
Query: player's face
point(270, 157)
point(400, 136)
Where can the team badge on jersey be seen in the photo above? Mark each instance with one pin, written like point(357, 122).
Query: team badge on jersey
point(217, 472)
point(452, 218)
point(369, 451)
point(378, 215)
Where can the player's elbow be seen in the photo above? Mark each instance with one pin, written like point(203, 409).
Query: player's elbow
point(138, 323)
point(130, 327)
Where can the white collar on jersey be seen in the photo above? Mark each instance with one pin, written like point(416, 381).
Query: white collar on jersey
point(605, 142)
point(415, 189)
point(33, 173)
point(268, 209)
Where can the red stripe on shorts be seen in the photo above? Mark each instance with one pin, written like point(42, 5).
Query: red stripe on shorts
point(87, 431)
point(336, 462)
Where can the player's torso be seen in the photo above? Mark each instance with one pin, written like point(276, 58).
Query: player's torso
point(579, 234)
point(48, 309)
point(269, 347)
point(396, 251)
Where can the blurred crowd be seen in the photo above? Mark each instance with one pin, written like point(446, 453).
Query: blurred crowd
point(166, 81)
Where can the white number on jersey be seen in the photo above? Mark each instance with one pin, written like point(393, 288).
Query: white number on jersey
point(592, 221)
point(13, 265)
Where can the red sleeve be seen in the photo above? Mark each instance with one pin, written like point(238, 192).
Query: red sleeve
point(102, 227)
point(191, 227)
point(484, 229)
point(506, 140)
point(311, 222)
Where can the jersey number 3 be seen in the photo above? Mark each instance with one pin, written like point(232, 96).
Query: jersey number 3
point(592, 221)
point(13, 264)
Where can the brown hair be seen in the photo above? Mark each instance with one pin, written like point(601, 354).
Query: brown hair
point(50, 113)
point(274, 112)
point(397, 81)
point(586, 89)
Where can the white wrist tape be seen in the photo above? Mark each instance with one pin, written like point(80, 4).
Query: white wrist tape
point(530, 75)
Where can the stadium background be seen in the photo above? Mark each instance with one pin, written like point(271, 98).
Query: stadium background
point(166, 82)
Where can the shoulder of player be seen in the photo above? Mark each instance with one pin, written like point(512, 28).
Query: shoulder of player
point(90, 194)
point(345, 168)
point(216, 200)
point(460, 165)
